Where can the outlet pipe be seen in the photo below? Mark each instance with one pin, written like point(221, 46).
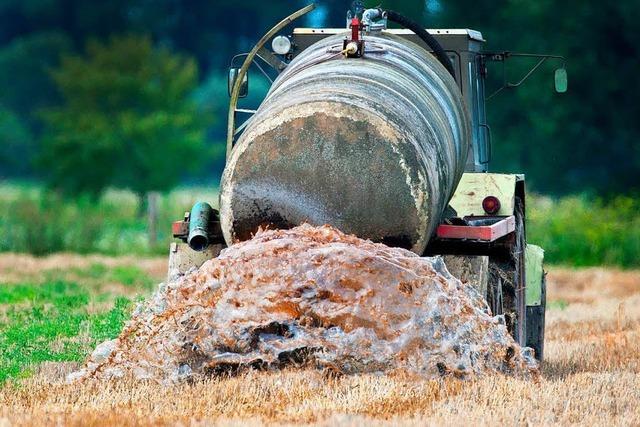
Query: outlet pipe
point(199, 220)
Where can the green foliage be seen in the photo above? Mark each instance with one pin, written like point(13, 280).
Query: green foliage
point(127, 120)
point(130, 276)
point(586, 139)
point(558, 304)
point(573, 230)
point(50, 322)
point(57, 292)
point(61, 314)
point(581, 231)
point(17, 143)
point(40, 222)
point(24, 68)
point(108, 325)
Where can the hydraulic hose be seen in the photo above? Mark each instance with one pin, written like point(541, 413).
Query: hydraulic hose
point(424, 35)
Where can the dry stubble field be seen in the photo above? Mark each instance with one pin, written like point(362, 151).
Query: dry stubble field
point(591, 375)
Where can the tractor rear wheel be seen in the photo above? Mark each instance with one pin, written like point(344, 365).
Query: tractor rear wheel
point(506, 287)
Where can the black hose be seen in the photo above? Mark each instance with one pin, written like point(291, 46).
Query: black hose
point(424, 35)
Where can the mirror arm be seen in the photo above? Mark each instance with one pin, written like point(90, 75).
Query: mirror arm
point(497, 91)
point(241, 127)
point(503, 56)
point(264, 73)
point(267, 56)
point(526, 76)
point(254, 62)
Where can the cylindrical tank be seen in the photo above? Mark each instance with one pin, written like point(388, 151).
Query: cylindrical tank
point(374, 146)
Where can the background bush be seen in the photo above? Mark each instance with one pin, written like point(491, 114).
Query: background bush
point(580, 230)
point(38, 221)
point(575, 230)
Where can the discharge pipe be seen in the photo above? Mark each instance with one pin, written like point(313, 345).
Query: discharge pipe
point(199, 220)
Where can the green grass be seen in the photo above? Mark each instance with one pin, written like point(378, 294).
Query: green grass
point(59, 319)
point(575, 230)
point(52, 324)
point(62, 314)
point(558, 304)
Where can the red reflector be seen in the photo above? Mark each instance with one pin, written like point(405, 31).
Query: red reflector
point(491, 205)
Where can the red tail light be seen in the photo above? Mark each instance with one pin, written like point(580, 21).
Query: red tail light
point(491, 205)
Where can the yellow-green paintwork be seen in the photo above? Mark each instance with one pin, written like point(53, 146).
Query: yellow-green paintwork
point(533, 259)
point(474, 187)
point(467, 201)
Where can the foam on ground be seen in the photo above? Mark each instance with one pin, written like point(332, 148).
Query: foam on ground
point(312, 296)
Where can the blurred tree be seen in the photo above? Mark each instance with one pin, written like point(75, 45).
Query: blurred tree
point(16, 147)
point(127, 120)
point(24, 69)
point(78, 19)
point(24, 66)
point(586, 139)
point(582, 141)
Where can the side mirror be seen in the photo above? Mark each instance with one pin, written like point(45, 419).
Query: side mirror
point(231, 81)
point(560, 80)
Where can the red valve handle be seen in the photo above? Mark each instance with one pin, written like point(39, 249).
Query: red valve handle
point(355, 29)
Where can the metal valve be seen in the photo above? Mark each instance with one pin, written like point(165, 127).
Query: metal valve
point(351, 49)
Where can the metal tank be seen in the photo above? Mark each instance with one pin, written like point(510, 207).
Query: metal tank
point(374, 146)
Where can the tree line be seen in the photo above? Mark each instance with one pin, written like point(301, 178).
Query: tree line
point(132, 93)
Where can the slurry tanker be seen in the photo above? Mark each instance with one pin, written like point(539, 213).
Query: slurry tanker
point(381, 133)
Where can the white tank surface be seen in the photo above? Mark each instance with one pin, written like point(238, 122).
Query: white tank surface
point(374, 146)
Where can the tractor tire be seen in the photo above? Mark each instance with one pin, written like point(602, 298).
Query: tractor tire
point(501, 293)
point(494, 291)
point(506, 284)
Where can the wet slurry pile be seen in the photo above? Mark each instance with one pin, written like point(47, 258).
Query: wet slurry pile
point(312, 296)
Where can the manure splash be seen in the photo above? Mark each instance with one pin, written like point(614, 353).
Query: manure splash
point(312, 296)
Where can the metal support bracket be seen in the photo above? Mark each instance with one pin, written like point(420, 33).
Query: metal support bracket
point(487, 229)
point(267, 56)
point(503, 56)
point(231, 125)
